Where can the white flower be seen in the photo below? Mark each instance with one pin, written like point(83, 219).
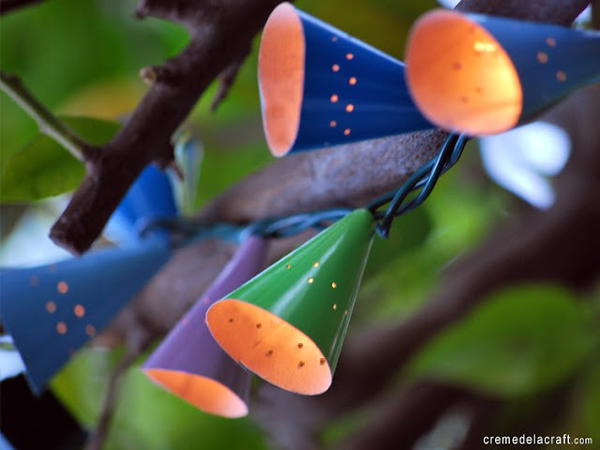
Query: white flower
point(521, 160)
point(448, 3)
point(584, 17)
point(11, 363)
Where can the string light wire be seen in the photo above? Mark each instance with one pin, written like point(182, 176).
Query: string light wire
point(424, 179)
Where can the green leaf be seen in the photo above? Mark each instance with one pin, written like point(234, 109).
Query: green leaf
point(43, 168)
point(520, 341)
point(590, 403)
point(147, 416)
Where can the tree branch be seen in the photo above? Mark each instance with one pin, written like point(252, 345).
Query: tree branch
point(137, 341)
point(47, 122)
point(407, 415)
point(347, 175)
point(226, 80)
point(221, 34)
point(10, 5)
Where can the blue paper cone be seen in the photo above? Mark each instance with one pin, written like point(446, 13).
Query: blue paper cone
point(320, 87)
point(482, 75)
point(52, 310)
point(150, 197)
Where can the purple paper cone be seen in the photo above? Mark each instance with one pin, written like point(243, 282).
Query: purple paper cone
point(190, 364)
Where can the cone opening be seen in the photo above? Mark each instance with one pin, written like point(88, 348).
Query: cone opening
point(204, 393)
point(281, 77)
point(269, 346)
point(460, 76)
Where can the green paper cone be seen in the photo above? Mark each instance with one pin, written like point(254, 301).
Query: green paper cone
point(288, 323)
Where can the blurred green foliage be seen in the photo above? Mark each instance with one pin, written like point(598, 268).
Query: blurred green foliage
point(82, 58)
point(509, 345)
point(43, 168)
point(147, 417)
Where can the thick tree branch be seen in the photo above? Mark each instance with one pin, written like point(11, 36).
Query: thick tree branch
point(221, 34)
point(348, 175)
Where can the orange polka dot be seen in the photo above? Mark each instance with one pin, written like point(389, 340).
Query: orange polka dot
point(62, 287)
point(542, 57)
point(61, 328)
point(349, 56)
point(334, 98)
point(332, 124)
point(90, 330)
point(350, 107)
point(347, 131)
point(352, 81)
point(79, 311)
point(561, 76)
point(335, 67)
point(51, 307)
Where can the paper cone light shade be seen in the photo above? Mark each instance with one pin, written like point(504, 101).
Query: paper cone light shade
point(150, 197)
point(321, 87)
point(190, 364)
point(52, 310)
point(288, 323)
point(482, 75)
